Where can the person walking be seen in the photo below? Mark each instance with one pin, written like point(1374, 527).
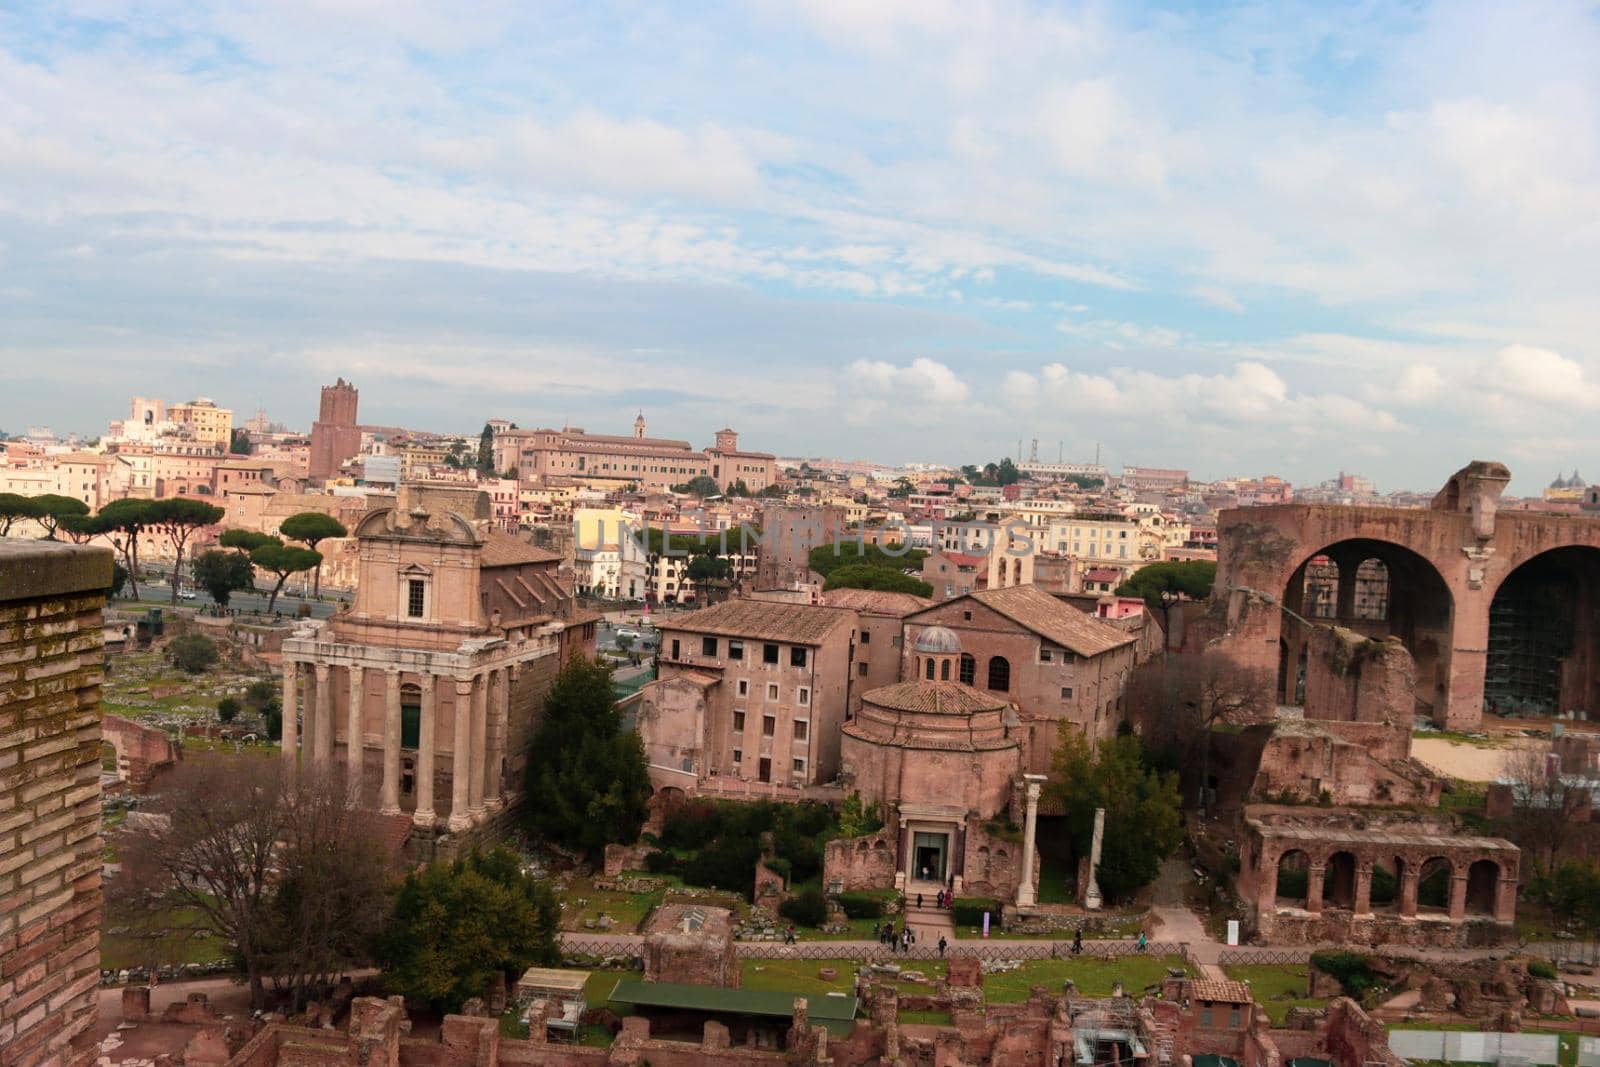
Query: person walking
point(942, 944)
point(1143, 942)
point(919, 900)
point(1077, 942)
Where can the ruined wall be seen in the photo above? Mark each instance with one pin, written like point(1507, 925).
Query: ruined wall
point(1352, 678)
point(142, 751)
point(50, 673)
point(851, 863)
point(992, 864)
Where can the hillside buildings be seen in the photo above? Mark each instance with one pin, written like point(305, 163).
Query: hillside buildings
point(648, 462)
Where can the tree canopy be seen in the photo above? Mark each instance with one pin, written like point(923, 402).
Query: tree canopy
point(1189, 578)
point(53, 507)
point(1144, 823)
point(888, 579)
point(825, 559)
point(179, 517)
point(587, 780)
point(15, 507)
point(221, 574)
point(700, 485)
point(456, 925)
point(311, 528)
point(129, 517)
point(1003, 473)
point(283, 560)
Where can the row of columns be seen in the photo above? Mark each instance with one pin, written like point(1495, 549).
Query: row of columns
point(1410, 879)
point(481, 724)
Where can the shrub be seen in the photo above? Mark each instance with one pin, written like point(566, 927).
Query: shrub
point(1542, 969)
point(730, 865)
point(1352, 969)
point(808, 908)
point(192, 653)
point(660, 862)
point(227, 709)
point(968, 911)
point(861, 905)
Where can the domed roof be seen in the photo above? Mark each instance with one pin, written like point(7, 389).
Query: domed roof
point(938, 640)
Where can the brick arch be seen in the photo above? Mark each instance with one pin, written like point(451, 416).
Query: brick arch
point(1543, 654)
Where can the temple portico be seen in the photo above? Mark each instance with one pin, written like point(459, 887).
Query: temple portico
point(930, 846)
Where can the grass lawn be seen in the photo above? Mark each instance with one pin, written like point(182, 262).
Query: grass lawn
point(1095, 977)
point(800, 976)
point(860, 930)
point(178, 946)
point(1277, 988)
point(925, 1018)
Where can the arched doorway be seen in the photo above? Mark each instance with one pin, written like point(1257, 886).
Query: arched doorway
point(1379, 589)
point(1293, 879)
point(1339, 881)
point(1544, 643)
point(1433, 885)
point(1483, 883)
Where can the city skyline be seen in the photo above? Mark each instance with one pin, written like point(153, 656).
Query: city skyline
point(1241, 240)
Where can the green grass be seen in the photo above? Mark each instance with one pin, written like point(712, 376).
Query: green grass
point(1094, 977)
point(1277, 988)
point(800, 976)
point(513, 1027)
point(925, 1018)
point(128, 950)
point(1054, 873)
point(594, 1036)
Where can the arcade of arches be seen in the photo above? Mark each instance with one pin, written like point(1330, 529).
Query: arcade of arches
point(1495, 607)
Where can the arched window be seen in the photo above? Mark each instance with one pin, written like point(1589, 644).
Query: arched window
point(969, 670)
point(930, 668)
point(944, 670)
point(999, 674)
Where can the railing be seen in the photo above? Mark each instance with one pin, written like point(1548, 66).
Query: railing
point(983, 950)
point(1246, 955)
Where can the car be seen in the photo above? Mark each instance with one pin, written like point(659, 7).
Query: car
point(186, 594)
point(629, 632)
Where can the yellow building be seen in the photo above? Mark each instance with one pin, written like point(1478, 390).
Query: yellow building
point(204, 420)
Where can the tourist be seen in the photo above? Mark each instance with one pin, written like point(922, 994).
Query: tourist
point(1143, 943)
point(1077, 942)
point(919, 900)
point(942, 944)
point(905, 940)
point(788, 935)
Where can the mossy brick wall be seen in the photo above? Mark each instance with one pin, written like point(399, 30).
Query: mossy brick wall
point(51, 600)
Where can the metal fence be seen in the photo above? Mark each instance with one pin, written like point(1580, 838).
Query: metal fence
point(1245, 955)
point(985, 950)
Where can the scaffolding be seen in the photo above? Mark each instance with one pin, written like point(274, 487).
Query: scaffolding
point(1530, 636)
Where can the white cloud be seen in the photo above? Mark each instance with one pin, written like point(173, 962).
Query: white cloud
point(914, 392)
point(1217, 297)
point(1542, 376)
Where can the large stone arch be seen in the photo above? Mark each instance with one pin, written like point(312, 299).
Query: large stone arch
point(1419, 609)
point(1544, 642)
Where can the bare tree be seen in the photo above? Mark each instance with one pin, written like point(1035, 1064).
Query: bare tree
point(287, 872)
point(1545, 805)
point(1179, 698)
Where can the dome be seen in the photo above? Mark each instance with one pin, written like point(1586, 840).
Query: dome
point(938, 640)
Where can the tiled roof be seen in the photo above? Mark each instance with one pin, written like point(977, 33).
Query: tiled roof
point(763, 620)
point(501, 549)
point(961, 559)
point(878, 601)
point(1032, 607)
point(1226, 991)
point(950, 698)
point(1102, 574)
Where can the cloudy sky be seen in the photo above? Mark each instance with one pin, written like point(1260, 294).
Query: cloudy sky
point(1240, 238)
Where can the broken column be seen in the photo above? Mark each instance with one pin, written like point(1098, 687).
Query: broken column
point(1026, 895)
point(1091, 897)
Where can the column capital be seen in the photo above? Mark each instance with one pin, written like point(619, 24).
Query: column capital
point(321, 670)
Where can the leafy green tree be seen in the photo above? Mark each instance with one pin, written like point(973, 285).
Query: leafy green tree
point(14, 508)
point(221, 574)
point(127, 519)
point(856, 818)
point(700, 485)
point(587, 778)
point(864, 576)
point(456, 925)
point(311, 528)
point(192, 653)
point(485, 452)
point(119, 578)
point(246, 541)
point(825, 559)
point(239, 445)
point(283, 560)
point(706, 570)
point(1144, 823)
point(179, 517)
point(1189, 578)
point(53, 508)
point(902, 488)
point(227, 709)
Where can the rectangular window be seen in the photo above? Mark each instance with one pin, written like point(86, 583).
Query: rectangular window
point(416, 598)
point(1233, 1018)
point(736, 650)
point(772, 691)
point(866, 636)
point(738, 722)
point(769, 725)
point(1066, 692)
point(769, 653)
point(708, 646)
point(861, 669)
point(797, 657)
point(805, 695)
point(738, 756)
point(801, 729)
point(674, 648)
point(1044, 655)
point(1205, 1016)
point(799, 766)
point(744, 686)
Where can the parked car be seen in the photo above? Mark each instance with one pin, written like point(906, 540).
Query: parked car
point(186, 594)
point(628, 631)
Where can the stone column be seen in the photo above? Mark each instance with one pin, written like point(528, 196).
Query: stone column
point(1458, 896)
point(424, 815)
point(1025, 887)
point(324, 702)
point(494, 754)
point(1410, 879)
point(291, 712)
point(389, 800)
point(1314, 876)
point(1344, 603)
point(903, 875)
point(480, 739)
point(1363, 894)
point(461, 756)
point(1091, 896)
point(1505, 899)
point(354, 727)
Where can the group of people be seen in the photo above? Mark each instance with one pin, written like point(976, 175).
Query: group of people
point(898, 941)
point(943, 899)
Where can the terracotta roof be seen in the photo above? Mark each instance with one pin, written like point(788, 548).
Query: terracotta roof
point(704, 681)
point(501, 549)
point(1032, 607)
point(1102, 574)
point(961, 559)
point(801, 624)
point(950, 698)
point(1224, 990)
point(878, 601)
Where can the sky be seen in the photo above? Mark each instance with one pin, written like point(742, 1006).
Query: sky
point(1239, 238)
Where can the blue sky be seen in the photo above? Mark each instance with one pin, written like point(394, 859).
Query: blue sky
point(1240, 238)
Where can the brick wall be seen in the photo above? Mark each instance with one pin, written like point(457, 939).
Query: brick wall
point(50, 670)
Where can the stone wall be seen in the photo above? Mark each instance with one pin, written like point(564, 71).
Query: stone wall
point(142, 751)
point(992, 865)
point(50, 673)
point(851, 863)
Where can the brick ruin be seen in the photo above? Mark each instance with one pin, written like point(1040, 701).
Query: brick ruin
point(693, 944)
point(1360, 877)
point(1491, 604)
point(50, 898)
point(143, 752)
